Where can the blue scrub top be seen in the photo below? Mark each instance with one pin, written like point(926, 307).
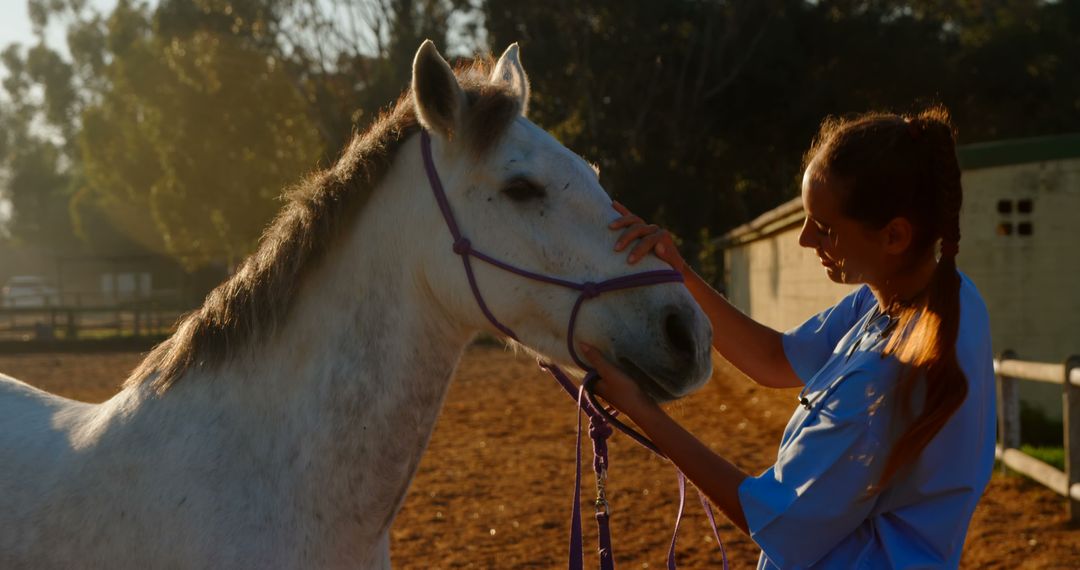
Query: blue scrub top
point(812, 508)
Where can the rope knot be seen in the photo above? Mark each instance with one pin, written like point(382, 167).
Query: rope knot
point(462, 246)
point(599, 429)
point(589, 290)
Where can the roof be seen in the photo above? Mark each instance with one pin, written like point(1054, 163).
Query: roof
point(1019, 151)
point(775, 220)
point(972, 157)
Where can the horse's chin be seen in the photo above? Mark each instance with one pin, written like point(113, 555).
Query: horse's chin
point(648, 383)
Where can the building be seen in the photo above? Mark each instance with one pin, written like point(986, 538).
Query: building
point(94, 280)
point(1020, 244)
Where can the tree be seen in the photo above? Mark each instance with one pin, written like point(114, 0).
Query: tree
point(657, 93)
point(196, 133)
point(174, 128)
point(32, 155)
point(699, 111)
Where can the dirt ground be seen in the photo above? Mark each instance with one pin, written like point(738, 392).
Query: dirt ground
point(495, 487)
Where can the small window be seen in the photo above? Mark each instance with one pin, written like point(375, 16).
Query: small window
point(1004, 229)
point(1004, 206)
point(1024, 206)
point(1024, 228)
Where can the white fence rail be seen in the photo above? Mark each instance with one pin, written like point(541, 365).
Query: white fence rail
point(1009, 370)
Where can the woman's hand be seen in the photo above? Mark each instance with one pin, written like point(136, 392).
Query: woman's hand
point(652, 239)
point(614, 385)
point(714, 475)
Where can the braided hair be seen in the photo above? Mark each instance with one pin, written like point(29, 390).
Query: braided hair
point(906, 166)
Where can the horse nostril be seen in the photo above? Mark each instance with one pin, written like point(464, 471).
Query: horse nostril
point(678, 334)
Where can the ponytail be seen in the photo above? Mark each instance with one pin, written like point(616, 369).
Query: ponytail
point(898, 166)
point(929, 351)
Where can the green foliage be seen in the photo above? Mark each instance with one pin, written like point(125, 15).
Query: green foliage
point(699, 111)
point(1038, 429)
point(38, 194)
point(32, 178)
point(709, 262)
point(173, 128)
point(193, 140)
point(1054, 456)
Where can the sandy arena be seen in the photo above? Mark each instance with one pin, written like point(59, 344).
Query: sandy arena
point(494, 489)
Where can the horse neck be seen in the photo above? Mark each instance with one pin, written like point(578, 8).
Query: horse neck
point(348, 391)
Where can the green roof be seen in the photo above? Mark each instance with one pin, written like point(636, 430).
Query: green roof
point(972, 156)
point(1018, 151)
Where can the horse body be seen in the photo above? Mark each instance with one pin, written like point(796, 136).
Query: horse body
point(297, 449)
point(296, 455)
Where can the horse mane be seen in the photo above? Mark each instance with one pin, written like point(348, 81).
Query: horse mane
point(257, 298)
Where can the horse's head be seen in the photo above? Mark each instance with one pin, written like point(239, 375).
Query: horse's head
point(525, 199)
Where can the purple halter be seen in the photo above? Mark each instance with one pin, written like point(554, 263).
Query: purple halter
point(600, 418)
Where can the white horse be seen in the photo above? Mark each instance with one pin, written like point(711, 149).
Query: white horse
point(281, 425)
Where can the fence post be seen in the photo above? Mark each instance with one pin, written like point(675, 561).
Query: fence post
point(72, 325)
point(1008, 407)
point(1071, 415)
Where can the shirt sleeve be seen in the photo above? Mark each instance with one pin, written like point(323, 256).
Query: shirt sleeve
point(809, 345)
point(817, 493)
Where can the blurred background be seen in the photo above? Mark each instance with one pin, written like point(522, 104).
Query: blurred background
point(143, 147)
point(157, 135)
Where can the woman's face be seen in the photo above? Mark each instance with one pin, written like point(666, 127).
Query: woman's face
point(849, 250)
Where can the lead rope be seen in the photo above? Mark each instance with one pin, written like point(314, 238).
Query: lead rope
point(600, 422)
point(600, 419)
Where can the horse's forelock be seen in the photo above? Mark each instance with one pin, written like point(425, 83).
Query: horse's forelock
point(258, 296)
point(491, 106)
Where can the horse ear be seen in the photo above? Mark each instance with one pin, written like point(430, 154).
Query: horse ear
point(508, 71)
point(437, 95)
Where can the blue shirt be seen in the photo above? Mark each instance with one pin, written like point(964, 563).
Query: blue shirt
point(812, 508)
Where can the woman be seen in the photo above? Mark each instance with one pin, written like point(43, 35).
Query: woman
point(892, 442)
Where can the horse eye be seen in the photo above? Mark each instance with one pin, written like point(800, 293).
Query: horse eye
point(523, 190)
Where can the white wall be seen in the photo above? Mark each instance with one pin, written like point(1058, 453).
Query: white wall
point(1031, 284)
point(777, 282)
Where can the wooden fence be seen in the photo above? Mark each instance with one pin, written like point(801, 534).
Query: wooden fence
point(1009, 370)
point(73, 323)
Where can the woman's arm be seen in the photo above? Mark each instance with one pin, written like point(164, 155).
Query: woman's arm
point(750, 346)
point(714, 475)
